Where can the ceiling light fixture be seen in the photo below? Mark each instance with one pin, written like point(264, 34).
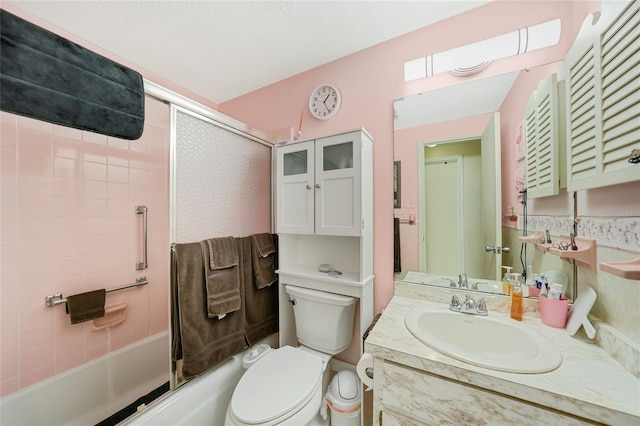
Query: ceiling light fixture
point(475, 57)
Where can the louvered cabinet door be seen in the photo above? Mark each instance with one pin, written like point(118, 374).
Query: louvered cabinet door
point(620, 96)
point(543, 139)
point(603, 103)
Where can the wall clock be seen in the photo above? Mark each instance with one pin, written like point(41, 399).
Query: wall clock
point(324, 101)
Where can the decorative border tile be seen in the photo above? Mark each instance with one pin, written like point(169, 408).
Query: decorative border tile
point(557, 225)
point(617, 232)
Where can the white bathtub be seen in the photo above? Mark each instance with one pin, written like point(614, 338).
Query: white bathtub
point(201, 401)
point(93, 391)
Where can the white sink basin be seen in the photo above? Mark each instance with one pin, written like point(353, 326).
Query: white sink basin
point(483, 341)
point(488, 287)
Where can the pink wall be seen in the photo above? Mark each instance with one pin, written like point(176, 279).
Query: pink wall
point(369, 81)
point(69, 226)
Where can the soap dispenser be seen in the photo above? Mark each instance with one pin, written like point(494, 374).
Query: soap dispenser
point(516, 297)
point(506, 285)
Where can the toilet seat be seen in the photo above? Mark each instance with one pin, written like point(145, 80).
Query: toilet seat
point(276, 387)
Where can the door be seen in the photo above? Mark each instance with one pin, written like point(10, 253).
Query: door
point(295, 183)
point(492, 197)
point(443, 216)
point(337, 185)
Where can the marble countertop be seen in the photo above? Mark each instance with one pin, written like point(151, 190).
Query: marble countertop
point(589, 383)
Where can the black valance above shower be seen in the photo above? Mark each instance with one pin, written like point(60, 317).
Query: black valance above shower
point(47, 77)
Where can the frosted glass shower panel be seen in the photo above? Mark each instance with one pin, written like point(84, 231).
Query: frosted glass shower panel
point(222, 182)
point(338, 156)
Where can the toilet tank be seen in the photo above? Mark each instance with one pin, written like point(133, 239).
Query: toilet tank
point(324, 321)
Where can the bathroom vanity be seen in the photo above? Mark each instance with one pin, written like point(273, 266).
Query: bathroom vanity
point(414, 384)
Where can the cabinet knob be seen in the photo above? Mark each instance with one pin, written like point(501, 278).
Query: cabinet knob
point(317, 185)
point(308, 186)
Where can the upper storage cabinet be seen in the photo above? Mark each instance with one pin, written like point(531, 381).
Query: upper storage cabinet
point(545, 140)
point(320, 185)
point(603, 101)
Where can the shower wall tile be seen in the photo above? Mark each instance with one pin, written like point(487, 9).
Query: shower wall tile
point(8, 137)
point(68, 225)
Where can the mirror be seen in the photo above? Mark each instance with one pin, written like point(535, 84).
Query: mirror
point(445, 203)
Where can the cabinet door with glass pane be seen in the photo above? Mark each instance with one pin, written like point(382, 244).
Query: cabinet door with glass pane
point(295, 186)
point(338, 201)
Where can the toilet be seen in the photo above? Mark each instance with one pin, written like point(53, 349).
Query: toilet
point(285, 386)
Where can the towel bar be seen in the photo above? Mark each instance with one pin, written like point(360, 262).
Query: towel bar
point(56, 299)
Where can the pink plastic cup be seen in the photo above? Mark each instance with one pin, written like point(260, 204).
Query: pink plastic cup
point(554, 312)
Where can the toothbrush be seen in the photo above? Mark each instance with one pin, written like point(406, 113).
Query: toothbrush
point(573, 241)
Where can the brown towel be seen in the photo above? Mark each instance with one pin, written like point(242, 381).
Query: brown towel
point(220, 260)
point(263, 259)
point(261, 306)
point(86, 306)
point(204, 343)
point(223, 253)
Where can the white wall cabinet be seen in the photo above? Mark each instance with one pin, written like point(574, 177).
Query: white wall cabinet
point(320, 186)
point(603, 100)
point(545, 139)
point(325, 216)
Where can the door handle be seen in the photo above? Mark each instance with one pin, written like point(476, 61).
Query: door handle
point(497, 249)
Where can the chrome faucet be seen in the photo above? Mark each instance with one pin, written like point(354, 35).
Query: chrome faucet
point(462, 281)
point(469, 305)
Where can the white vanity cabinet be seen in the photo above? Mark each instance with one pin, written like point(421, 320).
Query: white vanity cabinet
point(406, 396)
point(325, 216)
point(320, 187)
point(603, 101)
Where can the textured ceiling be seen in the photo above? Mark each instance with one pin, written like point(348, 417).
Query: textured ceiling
point(223, 49)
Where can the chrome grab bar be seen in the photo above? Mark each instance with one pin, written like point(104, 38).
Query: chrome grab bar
point(142, 264)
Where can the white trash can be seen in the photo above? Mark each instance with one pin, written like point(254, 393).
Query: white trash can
point(344, 399)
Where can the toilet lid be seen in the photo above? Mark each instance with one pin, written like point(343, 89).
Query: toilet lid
point(277, 384)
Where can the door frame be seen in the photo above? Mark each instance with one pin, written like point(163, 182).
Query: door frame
point(496, 240)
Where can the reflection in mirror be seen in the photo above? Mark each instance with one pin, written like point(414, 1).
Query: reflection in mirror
point(447, 205)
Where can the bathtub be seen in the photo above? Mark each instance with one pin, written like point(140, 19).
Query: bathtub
point(201, 401)
point(93, 391)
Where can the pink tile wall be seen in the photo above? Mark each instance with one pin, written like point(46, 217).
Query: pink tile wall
point(69, 226)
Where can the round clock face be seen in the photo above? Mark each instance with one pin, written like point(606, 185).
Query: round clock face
point(324, 101)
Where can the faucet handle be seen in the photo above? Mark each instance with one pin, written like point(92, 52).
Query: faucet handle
point(452, 283)
point(481, 306)
point(455, 302)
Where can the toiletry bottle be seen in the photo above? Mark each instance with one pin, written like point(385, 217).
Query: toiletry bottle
point(530, 279)
point(506, 285)
point(516, 299)
point(543, 285)
point(524, 286)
